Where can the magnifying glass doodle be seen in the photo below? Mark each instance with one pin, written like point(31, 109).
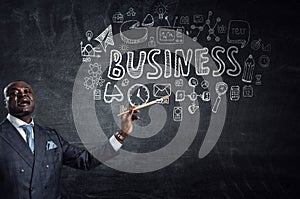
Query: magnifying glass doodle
point(221, 89)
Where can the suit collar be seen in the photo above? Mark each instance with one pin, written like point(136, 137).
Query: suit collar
point(16, 122)
point(14, 139)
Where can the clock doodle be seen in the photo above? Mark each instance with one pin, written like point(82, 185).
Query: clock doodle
point(138, 94)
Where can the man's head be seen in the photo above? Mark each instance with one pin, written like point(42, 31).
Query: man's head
point(19, 99)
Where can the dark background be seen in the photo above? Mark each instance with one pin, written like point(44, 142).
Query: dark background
point(257, 155)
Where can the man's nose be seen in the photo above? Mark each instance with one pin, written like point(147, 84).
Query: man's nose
point(23, 93)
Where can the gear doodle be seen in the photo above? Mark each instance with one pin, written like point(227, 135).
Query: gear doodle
point(99, 81)
point(95, 77)
point(124, 48)
point(89, 82)
point(95, 70)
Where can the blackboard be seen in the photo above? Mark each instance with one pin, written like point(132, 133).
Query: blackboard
point(255, 154)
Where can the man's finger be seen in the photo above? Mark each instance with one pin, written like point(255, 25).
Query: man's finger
point(131, 111)
point(135, 117)
point(123, 116)
point(131, 108)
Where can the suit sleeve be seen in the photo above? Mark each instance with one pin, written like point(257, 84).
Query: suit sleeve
point(81, 158)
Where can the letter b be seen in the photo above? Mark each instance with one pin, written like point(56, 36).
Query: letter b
point(116, 71)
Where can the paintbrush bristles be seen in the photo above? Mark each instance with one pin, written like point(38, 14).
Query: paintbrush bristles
point(166, 97)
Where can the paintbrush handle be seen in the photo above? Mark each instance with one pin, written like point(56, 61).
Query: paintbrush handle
point(145, 105)
point(139, 107)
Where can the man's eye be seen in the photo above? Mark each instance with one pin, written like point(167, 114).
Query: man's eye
point(27, 91)
point(15, 93)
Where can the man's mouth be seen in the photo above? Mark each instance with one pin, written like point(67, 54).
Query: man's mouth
point(24, 102)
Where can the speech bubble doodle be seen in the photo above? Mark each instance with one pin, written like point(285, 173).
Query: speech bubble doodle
point(238, 32)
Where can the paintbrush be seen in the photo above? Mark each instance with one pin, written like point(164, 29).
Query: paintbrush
point(147, 104)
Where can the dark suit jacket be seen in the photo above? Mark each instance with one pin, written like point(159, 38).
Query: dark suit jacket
point(24, 175)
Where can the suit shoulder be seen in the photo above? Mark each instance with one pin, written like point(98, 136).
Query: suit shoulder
point(3, 122)
point(48, 130)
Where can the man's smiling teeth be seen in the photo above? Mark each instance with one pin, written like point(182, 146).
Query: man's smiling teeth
point(24, 102)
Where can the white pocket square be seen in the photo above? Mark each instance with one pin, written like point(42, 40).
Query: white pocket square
point(50, 145)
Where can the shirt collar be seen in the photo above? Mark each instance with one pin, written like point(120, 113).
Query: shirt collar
point(16, 122)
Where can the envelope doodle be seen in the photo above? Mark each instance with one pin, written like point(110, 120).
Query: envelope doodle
point(161, 90)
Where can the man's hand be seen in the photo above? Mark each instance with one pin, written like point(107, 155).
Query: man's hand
point(127, 121)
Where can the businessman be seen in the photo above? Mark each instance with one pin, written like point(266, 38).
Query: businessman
point(31, 156)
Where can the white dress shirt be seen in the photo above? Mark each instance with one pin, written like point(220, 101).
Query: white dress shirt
point(17, 123)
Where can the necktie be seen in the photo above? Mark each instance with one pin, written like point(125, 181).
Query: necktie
point(28, 130)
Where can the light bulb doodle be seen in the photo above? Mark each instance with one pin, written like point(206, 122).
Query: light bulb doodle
point(161, 10)
point(89, 35)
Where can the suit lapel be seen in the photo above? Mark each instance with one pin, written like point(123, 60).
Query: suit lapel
point(40, 142)
point(14, 139)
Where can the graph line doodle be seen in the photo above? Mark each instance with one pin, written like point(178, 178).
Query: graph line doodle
point(211, 29)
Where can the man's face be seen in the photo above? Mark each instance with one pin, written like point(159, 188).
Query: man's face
point(19, 99)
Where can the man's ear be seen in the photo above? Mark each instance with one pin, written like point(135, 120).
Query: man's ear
point(5, 103)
